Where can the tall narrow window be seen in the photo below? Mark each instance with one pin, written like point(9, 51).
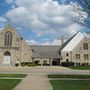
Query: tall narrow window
point(77, 56)
point(86, 57)
point(85, 46)
point(8, 39)
point(67, 54)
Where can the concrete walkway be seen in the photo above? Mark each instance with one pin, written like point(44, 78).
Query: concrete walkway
point(37, 76)
point(34, 82)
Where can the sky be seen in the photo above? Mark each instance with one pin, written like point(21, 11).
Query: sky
point(41, 22)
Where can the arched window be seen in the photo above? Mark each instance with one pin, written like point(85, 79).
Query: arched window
point(8, 39)
point(67, 54)
point(7, 53)
point(85, 46)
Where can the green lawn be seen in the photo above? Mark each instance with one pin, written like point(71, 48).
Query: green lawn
point(69, 76)
point(13, 75)
point(70, 85)
point(81, 67)
point(8, 84)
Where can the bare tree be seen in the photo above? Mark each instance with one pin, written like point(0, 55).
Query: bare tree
point(83, 9)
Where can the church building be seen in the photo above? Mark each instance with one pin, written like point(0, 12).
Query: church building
point(76, 49)
point(14, 50)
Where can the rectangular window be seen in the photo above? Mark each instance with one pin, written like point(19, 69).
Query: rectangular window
point(77, 56)
point(86, 57)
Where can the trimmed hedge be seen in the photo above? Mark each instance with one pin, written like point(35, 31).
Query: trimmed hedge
point(67, 64)
point(30, 64)
point(27, 64)
point(46, 64)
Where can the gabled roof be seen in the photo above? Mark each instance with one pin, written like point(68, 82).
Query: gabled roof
point(45, 51)
point(10, 26)
point(48, 51)
point(72, 42)
point(66, 42)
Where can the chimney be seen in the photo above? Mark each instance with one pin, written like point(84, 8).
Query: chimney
point(62, 40)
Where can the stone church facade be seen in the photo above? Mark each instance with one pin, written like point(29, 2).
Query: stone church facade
point(76, 49)
point(13, 49)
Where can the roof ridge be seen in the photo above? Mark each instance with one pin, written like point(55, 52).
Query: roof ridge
point(68, 41)
point(73, 41)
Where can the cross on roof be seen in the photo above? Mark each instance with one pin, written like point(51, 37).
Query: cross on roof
point(9, 20)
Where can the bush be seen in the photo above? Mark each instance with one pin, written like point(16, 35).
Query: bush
point(68, 64)
point(16, 64)
point(46, 64)
point(28, 64)
point(32, 64)
point(25, 63)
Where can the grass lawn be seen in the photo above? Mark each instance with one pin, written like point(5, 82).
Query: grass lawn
point(69, 76)
point(81, 67)
point(8, 84)
point(13, 75)
point(70, 85)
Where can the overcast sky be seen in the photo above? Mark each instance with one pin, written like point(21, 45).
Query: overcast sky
point(40, 21)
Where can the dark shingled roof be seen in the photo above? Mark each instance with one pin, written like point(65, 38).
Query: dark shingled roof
point(45, 51)
point(48, 51)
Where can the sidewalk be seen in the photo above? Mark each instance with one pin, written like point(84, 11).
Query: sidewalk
point(35, 82)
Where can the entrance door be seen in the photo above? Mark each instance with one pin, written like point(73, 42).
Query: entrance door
point(56, 61)
point(7, 58)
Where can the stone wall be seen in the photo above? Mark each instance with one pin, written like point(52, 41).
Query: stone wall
point(26, 52)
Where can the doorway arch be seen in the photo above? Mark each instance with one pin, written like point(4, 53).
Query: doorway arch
point(7, 57)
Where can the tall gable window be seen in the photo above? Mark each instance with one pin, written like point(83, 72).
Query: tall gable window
point(85, 46)
point(8, 39)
